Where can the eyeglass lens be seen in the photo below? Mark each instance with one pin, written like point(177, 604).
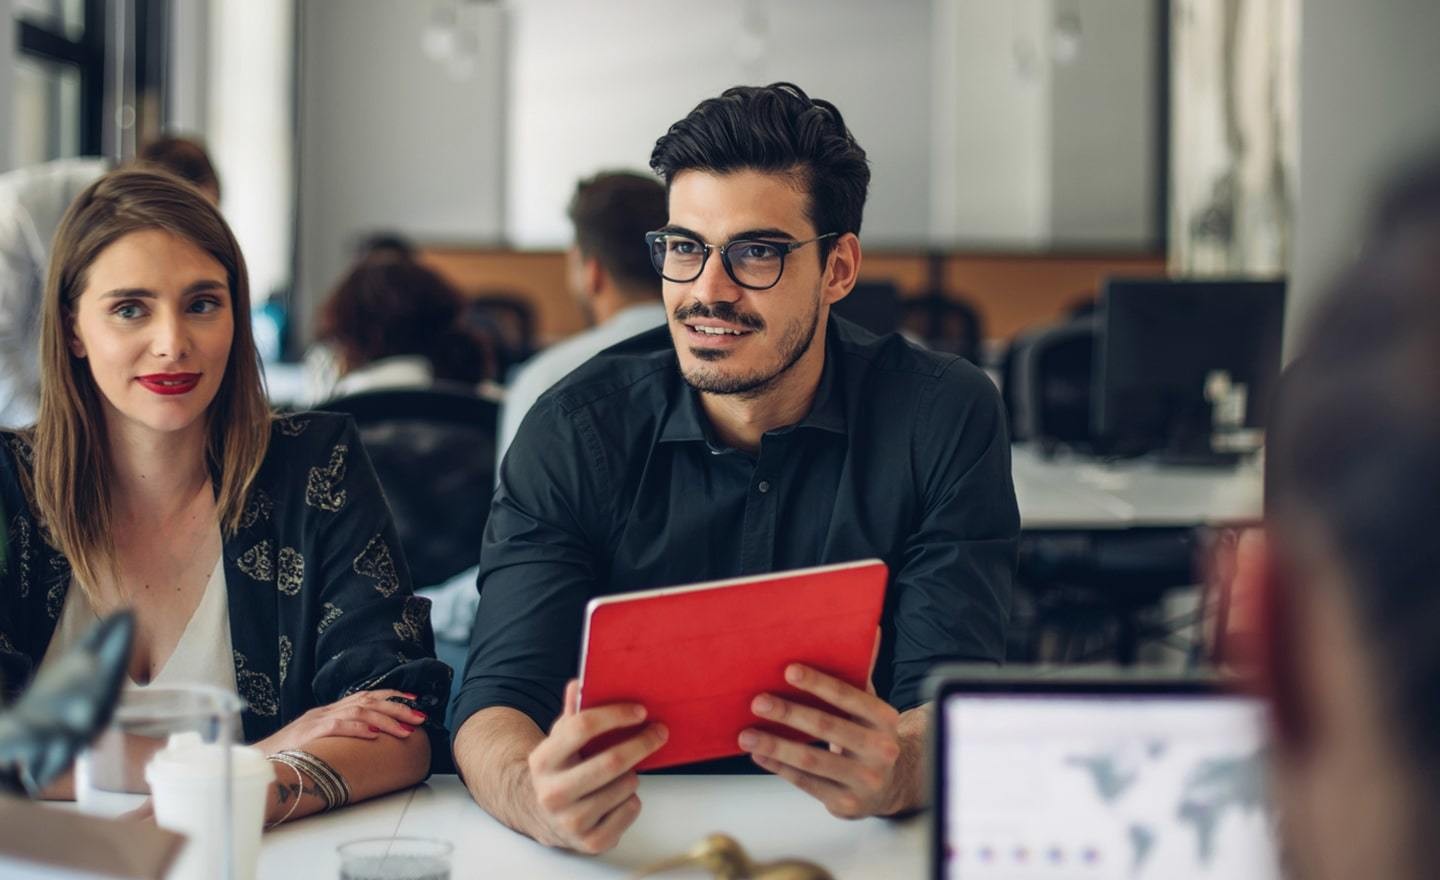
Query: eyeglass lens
point(751, 263)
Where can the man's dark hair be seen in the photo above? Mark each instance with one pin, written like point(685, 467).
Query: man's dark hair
point(1354, 461)
point(182, 157)
point(612, 211)
point(778, 129)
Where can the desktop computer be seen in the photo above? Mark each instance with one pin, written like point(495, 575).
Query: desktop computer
point(1180, 366)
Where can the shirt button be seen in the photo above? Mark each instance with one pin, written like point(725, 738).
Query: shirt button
point(764, 486)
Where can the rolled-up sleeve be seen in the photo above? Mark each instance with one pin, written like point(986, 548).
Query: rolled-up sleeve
point(539, 566)
point(951, 592)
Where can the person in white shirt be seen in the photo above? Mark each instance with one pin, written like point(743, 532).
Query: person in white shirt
point(32, 201)
point(609, 272)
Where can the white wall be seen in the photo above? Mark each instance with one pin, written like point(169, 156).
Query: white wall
point(1103, 160)
point(594, 84)
point(248, 130)
point(998, 189)
point(188, 67)
point(8, 37)
point(1368, 81)
point(388, 139)
point(1035, 148)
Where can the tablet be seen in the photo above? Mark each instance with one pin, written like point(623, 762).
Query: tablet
point(695, 656)
point(1104, 778)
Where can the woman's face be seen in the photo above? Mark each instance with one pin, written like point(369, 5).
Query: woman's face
point(155, 324)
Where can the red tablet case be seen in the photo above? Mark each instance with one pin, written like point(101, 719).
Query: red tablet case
point(696, 656)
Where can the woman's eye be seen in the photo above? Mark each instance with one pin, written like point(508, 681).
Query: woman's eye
point(127, 311)
point(205, 306)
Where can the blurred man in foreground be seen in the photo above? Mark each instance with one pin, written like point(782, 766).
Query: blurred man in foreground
point(1348, 571)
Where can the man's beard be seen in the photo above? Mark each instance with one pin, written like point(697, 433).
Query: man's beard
point(793, 346)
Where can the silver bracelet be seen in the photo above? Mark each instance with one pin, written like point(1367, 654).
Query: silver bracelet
point(331, 784)
point(299, 791)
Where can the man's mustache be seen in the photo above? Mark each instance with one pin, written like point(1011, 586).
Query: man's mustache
point(721, 311)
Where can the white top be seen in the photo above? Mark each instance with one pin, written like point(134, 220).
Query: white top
point(535, 376)
point(32, 201)
point(400, 371)
point(202, 656)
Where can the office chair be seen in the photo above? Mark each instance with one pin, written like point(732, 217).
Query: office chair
point(874, 305)
point(508, 319)
point(945, 323)
point(1048, 384)
point(434, 453)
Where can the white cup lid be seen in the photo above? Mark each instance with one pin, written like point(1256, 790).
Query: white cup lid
point(187, 757)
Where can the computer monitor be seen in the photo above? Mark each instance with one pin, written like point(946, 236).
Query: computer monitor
point(1162, 341)
point(1102, 779)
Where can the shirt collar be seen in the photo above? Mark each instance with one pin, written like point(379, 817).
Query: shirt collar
point(686, 421)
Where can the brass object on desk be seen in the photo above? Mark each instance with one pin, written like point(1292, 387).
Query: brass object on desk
point(723, 857)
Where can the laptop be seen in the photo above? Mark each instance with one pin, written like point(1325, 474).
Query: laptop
point(1100, 777)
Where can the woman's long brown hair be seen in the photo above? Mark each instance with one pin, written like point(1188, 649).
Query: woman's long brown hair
point(69, 484)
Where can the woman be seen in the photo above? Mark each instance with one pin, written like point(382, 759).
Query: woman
point(256, 552)
point(393, 323)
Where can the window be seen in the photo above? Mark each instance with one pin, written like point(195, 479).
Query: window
point(59, 79)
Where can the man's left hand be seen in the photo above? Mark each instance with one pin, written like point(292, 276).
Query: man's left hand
point(860, 774)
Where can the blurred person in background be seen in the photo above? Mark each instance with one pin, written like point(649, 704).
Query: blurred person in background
point(1344, 574)
point(393, 323)
point(257, 554)
point(32, 201)
point(609, 272)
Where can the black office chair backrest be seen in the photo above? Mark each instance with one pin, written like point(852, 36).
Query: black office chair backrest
point(1049, 371)
point(945, 323)
point(434, 452)
point(509, 320)
point(874, 305)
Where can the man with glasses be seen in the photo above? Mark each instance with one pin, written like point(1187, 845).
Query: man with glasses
point(753, 433)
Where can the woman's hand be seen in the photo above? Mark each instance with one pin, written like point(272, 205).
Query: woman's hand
point(362, 715)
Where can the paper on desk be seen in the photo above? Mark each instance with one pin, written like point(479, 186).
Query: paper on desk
point(44, 842)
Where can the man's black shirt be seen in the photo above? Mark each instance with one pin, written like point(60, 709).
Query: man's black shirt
point(615, 482)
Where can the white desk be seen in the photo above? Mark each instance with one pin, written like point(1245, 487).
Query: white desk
point(769, 818)
point(1069, 492)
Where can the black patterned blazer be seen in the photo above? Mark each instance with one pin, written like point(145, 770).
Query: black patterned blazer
point(319, 595)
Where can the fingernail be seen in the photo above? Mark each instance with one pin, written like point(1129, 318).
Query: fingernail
point(763, 704)
point(422, 715)
point(408, 728)
point(374, 730)
point(748, 739)
point(662, 732)
point(638, 713)
point(793, 674)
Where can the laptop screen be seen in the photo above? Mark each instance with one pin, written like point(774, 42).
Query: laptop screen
point(1101, 786)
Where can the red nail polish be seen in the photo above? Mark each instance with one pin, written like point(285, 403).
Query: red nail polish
point(408, 728)
point(374, 730)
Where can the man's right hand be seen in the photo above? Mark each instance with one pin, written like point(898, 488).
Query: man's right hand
point(585, 804)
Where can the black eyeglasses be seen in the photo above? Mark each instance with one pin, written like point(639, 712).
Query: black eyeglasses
point(752, 263)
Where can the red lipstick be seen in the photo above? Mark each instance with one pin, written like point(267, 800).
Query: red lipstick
point(170, 383)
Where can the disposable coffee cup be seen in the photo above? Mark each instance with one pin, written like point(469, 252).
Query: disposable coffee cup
point(187, 788)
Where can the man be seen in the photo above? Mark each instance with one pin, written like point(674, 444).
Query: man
point(32, 201)
point(753, 433)
point(1346, 570)
point(608, 273)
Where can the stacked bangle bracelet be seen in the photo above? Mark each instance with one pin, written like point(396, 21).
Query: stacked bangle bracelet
point(331, 785)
